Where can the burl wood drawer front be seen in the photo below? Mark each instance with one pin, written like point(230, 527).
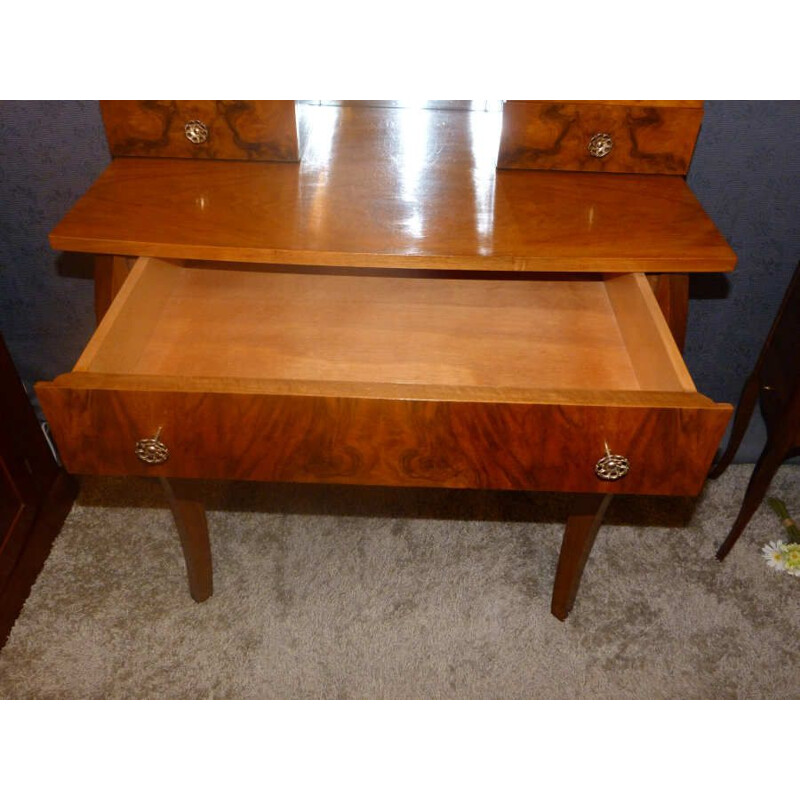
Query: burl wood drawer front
point(284, 374)
point(252, 130)
point(379, 441)
point(601, 137)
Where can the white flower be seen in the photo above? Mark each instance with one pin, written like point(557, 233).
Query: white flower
point(791, 558)
point(774, 555)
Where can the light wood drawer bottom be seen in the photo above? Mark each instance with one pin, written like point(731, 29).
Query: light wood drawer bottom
point(407, 381)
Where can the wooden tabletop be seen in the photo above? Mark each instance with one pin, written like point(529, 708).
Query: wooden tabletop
point(395, 187)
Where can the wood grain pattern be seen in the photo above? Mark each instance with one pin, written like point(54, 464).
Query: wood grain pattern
point(405, 188)
point(110, 273)
point(540, 332)
point(649, 139)
point(250, 130)
point(672, 295)
point(130, 318)
point(647, 103)
point(189, 514)
point(583, 523)
point(654, 355)
point(458, 444)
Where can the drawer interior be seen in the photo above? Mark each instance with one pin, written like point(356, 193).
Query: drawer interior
point(284, 324)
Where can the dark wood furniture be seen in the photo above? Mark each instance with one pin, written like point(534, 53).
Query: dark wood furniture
point(35, 495)
point(391, 310)
point(775, 382)
point(251, 130)
point(645, 136)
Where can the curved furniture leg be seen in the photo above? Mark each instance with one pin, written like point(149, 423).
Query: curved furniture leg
point(581, 531)
point(744, 411)
point(769, 461)
point(190, 520)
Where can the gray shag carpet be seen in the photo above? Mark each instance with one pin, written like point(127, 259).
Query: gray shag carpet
point(331, 592)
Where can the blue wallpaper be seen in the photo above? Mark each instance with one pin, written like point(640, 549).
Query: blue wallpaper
point(746, 172)
point(50, 153)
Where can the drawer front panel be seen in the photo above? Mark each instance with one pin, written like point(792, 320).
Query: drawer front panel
point(563, 136)
point(252, 130)
point(392, 442)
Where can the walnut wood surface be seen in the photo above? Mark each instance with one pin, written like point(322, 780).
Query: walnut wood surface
point(672, 294)
point(653, 352)
point(190, 519)
point(259, 130)
point(395, 188)
point(459, 444)
point(463, 382)
point(555, 135)
point(110, 273)
point(537, 332)
point(583, 523)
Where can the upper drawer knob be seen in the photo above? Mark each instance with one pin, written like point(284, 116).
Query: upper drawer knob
point(600, 145)
point(611, 467)
point(196, 131)
point(152, 451)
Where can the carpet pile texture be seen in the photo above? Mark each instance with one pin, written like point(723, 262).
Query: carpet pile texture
point(332, 592)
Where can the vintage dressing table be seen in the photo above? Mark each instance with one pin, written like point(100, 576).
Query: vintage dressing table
point(397, 296)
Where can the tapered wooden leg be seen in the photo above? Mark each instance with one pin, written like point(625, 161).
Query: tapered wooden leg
point(190, 519)
point(744, 410)
point(771, 458)
point(582, 526)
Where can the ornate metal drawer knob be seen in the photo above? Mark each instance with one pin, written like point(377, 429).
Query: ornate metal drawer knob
point(196, 132)
point(611, 467)
point(152, 451)
point(601, 144)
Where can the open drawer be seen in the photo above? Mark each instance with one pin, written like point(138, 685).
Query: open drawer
point(405, 379)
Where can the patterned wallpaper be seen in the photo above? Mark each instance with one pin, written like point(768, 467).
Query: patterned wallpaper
point(746, 172)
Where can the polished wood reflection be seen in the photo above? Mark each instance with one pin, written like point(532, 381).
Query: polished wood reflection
point(395, 187)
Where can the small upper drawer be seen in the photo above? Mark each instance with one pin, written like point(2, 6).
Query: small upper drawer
point(255, 130)
point(604, 136)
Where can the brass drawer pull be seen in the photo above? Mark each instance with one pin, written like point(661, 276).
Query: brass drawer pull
point(152, 451)
point(196, 131)
point(600, 145)
point(611, 467)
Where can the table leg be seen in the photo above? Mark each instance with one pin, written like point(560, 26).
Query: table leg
point(190, 520)
point(771, 458)
point(744, 411)
point(582, 526)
